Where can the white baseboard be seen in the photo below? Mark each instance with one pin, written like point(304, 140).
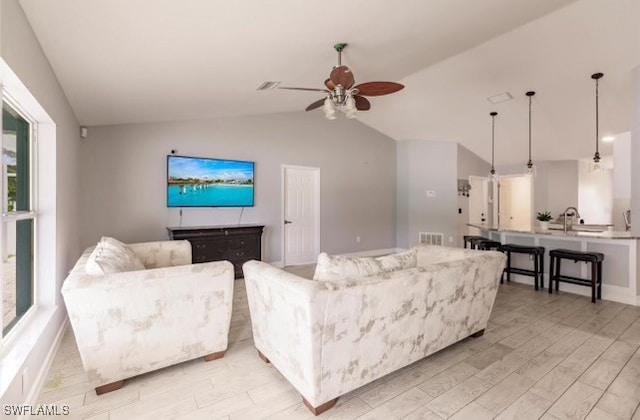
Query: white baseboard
point(609, 292)
point(34, 393)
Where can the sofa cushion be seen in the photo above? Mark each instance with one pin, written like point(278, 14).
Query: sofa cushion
point(112, 256)
point(339, 267)
point(435, 254)
point(399, 261)
point(336, 267)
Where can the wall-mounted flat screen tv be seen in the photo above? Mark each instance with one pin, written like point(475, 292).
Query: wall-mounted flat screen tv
point(204, 182)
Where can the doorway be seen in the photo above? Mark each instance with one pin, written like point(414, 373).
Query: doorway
point(479, 206)
point(300, 215)
point(515, 195)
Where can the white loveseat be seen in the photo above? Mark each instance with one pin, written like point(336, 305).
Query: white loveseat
point(134, 322)
point(330, 337)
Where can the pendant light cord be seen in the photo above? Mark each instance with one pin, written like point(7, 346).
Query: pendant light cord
point(530, 95)
point(597, 77)
point(597, 118)
point(529, 129)
point(493, 135)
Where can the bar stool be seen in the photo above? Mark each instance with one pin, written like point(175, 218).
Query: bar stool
point(488, 245)
point(476, 242)
point(469, 239)
point(538, 262)
point(595, 258)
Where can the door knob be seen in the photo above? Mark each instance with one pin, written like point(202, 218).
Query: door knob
point(286, 222)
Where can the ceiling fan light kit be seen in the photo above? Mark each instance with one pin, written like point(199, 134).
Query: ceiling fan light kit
point(329, 109)
point(343, 95)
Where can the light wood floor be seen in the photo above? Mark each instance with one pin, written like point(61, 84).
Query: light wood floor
point(543, 356)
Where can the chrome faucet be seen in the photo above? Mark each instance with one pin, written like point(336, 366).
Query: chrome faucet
point(574, 214)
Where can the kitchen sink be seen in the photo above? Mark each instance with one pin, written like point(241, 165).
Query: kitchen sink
point(580, 227)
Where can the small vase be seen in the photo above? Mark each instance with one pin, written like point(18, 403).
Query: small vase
point(544, 226)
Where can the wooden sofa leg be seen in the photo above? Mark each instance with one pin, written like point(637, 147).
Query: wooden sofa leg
point(321, 408)
point(478, 334)
point(214, 356)
point(103, 389)
point(263, 357)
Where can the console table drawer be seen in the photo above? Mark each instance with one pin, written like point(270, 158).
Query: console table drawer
point(237, 244)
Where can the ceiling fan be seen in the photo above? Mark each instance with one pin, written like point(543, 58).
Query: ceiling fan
point(342, 94)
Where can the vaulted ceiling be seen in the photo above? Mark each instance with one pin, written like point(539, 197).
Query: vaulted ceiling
point(122, 61)
point(554, 56)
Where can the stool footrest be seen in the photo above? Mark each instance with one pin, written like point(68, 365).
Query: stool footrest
point(574, 280)
point(523, 271)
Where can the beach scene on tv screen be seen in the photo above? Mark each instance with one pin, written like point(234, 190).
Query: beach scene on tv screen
point(195, 182)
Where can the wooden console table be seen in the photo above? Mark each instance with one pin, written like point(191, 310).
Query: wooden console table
point(236, 244)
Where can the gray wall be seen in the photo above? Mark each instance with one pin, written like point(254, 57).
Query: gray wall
point(123, 177)
point(555, 186)
point(424, 166)
point(22, 52)
point(562, 186)
point(469, 164)
point(635, 157)
point(621, 178)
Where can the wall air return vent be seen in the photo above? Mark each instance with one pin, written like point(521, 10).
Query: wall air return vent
point(503, 97)
point(431, 238)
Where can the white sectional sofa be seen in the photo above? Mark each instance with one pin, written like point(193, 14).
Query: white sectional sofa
point(330, 337)
point(133, 322)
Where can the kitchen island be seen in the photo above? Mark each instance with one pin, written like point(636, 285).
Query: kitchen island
point(620, 280)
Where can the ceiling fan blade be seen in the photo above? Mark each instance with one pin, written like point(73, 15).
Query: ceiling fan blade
point(316, 104)
point(304, 89)
point(362, 103)
point(342, 76)
point(378, 88)
point(329, 84)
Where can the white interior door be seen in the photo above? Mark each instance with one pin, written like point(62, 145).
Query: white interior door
point(516, 204)
point(479, 200)
point(301, 215)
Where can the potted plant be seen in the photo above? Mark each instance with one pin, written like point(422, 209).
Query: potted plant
point(543, 220)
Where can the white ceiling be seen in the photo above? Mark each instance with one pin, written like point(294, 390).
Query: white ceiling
point(554, 56)
point(122, 61)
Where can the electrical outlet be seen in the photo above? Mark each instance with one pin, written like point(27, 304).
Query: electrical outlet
point(357, 239)
point(431, 194)
point(450, 238)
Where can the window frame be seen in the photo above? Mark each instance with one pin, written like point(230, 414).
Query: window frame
point(32, 214)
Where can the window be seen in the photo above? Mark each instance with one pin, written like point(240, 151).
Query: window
point(18, 217)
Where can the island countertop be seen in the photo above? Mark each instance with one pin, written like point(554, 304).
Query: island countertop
point(559, 233)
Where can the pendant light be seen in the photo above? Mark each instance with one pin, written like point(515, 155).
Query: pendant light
point(493, 133)
point(596, 156)
point(531, 170)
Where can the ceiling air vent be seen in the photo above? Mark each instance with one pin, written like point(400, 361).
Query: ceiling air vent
point(503, 97)
point(431, 238)
point(268, 85)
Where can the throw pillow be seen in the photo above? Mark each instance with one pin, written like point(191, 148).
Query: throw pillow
point(337, 267)
point(112, 256)
point(399, 261)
